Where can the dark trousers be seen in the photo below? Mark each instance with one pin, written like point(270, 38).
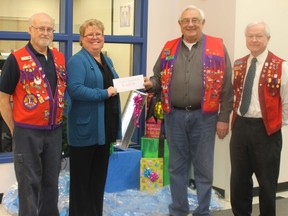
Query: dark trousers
point(253, 151)
point(88, 172)
point(37, 161)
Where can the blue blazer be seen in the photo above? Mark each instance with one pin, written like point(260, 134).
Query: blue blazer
point(85, 119)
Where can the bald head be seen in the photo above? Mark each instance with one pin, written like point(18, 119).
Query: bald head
point(41, 16)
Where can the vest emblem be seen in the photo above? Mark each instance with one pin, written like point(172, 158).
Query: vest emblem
point(30, 101)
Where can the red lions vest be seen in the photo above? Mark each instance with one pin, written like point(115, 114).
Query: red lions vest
point(213, 72)
point(268, 89)
point(34, 106)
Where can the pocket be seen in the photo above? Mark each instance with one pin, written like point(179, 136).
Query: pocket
point(83, 126)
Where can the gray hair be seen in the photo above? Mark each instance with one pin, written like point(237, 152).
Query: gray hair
point(266, 27)
point(40, 15)
point(192, 7)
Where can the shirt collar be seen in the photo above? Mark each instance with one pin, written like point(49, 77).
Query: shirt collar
point(37, 53)
point(260, 58)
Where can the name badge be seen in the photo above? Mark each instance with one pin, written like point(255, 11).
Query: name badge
point(25, 58)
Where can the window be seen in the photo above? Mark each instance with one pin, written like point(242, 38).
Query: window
point(116, 15)
point(125, 24)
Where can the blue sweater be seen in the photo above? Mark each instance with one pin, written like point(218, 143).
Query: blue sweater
point(86, 123)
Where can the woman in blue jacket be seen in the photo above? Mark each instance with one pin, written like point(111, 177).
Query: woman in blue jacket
point(94, 120)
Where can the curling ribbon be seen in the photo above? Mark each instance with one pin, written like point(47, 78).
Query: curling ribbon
point(154, 176)
point(137, 109)
point(151, 175)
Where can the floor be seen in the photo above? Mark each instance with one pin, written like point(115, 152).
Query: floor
point(255, 200)
point(226, 203)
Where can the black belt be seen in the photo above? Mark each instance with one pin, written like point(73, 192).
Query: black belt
point(188, 108)
point(250, 120)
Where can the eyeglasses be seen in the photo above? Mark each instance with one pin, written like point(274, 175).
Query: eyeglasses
point(186, 21)
point(43, 29)
point(91, 36)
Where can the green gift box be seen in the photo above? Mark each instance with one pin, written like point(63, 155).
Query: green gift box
point(150, 149)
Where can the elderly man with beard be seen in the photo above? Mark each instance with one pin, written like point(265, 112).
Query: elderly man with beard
point(34, 77)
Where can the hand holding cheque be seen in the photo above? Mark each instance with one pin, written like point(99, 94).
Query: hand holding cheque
point(128, 83)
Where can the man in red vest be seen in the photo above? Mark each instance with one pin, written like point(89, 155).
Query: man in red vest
point(193, 74)
point(35, 78)
point(258, 116)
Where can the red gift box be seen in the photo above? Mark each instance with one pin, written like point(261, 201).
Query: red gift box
point(152, 128)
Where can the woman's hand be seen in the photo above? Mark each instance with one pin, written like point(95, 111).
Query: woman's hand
point(112, 91)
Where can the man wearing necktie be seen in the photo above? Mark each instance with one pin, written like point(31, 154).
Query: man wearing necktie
point(259, 111)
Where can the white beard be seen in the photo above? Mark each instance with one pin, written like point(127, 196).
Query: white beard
point(44, 42)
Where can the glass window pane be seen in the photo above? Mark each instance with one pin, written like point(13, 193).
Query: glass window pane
point(122, 58)
point(16, 15)
point(6, 47)
point(116, 15)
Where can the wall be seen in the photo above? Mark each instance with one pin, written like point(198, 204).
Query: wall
point(226, 19)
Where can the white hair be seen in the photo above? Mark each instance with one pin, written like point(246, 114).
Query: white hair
point(193, 8)
point(266, 27)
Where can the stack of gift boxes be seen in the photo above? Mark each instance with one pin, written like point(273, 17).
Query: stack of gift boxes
point(154, 163)
point(147, 169)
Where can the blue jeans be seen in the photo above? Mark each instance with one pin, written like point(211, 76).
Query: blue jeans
point(191, 139)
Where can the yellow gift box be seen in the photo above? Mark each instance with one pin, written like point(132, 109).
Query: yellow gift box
point(151, 174)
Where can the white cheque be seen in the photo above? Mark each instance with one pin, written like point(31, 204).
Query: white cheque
point(129, 83)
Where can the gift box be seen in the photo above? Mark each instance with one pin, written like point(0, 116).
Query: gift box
point(150, 149)
point(152, 125)
point(152, 128)
point(151, 174)
point(131, 117)
point(123, 170)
